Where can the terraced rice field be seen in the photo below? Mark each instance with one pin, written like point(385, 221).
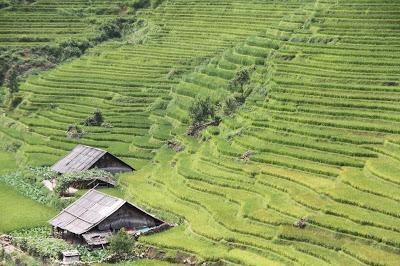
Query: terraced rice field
point(130, 83)
point(323, 125)
point(50, 22)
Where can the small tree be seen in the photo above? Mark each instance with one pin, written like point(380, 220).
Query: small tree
point(230, 105)
point(122, 244)
point(201, 110)
point(98, 117)
point(94, 120)
point(240, 79)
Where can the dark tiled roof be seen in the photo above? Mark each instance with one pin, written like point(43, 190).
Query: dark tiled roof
point(80, 158)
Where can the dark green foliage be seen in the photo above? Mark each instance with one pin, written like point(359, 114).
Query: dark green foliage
point(94, 120)
point(115, 28)
point(230, 105)
point(14, 101)
point(45, 57)
point(240, 79)
point(65, 180)
point(122, 244)
point(38, 242)
point(13, 86)
point(74, 128)
point(138, 4)
point(89, 255)
point(201, 110)
point(235, 100)
point(28, 183)
point(74, 131)
point(73, 48)
point(3, 68)
point(4, 3)
point(21, 2)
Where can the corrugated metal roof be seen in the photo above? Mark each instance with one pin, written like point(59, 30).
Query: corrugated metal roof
point(88, 211)
point(81, 158)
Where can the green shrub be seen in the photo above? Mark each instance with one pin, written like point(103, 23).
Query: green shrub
point(241, 78)
point(115, 28)
point(230, 105)
point(64, 181)
point(122, 244)
point(74, 131)
point(38, 242)
point(14, 101)
point(28, 183)
point(138, 4)
point(93, 255)
point(201, 110)
point(13, 86)
point(94, 120)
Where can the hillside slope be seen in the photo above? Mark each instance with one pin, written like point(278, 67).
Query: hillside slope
point(130, 80)
point(323, 145)
point(322, 124)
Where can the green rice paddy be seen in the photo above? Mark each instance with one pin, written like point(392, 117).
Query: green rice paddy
point(19, 212)
point(322, 125)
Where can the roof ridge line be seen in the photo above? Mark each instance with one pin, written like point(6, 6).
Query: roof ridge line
point(69, 205)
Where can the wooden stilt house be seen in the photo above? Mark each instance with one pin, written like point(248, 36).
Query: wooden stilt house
point(95, 216)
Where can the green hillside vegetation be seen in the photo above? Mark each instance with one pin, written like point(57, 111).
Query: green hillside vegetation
point(307, 93)
point(19, 212)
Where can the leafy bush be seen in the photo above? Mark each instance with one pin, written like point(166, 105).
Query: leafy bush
point(65, 180)
point(28, 182)
point(93, 255)
point(106, 124)
point(13, 86)
point(241, 78)
point(230, 105)
point(20, 182)
point(115, 28)
point(14, 101)
point(74, 131)
point(38, 242)
point(122, 244)
point(138, 4)
point(201, 110)
point(94, 120)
